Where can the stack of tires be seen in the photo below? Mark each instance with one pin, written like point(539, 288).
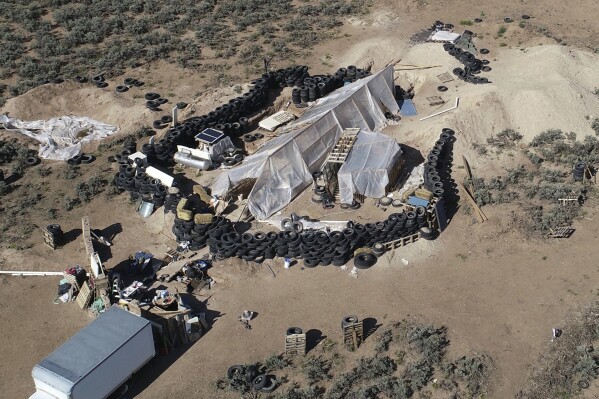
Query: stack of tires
point(199, 234)
point(318, 247)
point(578, 171)
point(132, 177)
point(438, 163)
point(315, 87)
point(351, 74)
point(472, 65)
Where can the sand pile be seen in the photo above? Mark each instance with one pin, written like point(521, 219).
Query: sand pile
point(544, 87)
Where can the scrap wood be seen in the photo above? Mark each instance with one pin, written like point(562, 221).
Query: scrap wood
point(479, 213)
point(416, 67)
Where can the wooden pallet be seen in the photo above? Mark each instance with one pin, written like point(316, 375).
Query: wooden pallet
point(435, 100)
point(445, 77)
point(341, 151)
point(85, 296)
point(353, 335)
point(295, 344)
point(560, 232)
point(401, 242)
point(49, 238)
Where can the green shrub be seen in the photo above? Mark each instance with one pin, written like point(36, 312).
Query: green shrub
point(595, 126)
point(474, 372)
point(276, 362)
point(466, 22)
point(429, 341)
point(383, 341)
point(501, 31)
point(418, 374)
point(316, 369)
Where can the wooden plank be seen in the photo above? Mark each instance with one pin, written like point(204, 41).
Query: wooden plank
point(479, 213)
point(87, 238)
point(468, 173)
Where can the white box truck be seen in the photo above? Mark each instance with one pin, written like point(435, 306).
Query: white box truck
point(97, 360)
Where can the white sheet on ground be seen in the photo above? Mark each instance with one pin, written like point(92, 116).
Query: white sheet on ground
point(366, 169)
point(283, 167)
point(60, 138)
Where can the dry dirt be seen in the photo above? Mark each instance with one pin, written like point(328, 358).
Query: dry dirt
point(498, 292)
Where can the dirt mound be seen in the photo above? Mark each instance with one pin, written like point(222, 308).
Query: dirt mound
point(544, 87)
point(105, 105)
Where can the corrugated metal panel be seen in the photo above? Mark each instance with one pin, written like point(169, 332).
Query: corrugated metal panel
point(93, 344)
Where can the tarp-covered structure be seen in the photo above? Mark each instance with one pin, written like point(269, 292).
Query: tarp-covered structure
point(60, 138)
point(366, 170)
point(283, 167)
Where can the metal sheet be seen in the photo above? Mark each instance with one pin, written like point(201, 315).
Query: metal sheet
point(406, 107)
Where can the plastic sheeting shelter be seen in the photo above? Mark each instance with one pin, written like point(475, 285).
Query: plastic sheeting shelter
point(366, 170)
point(283, 167)
point(60, 138)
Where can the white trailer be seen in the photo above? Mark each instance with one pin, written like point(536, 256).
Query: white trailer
point(97, 360)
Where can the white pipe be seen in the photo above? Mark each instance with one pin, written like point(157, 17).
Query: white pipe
point(26, 273)
point(457, 102)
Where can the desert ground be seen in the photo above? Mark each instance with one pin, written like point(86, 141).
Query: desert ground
point(497, 288)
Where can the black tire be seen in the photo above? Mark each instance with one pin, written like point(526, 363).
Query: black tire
point(583, 384)
point(348, 320)
point(166, 119)
point(311, 263)
point(32, 161)
point(158, 124)
point(248, 138)
point(385, 201)
point(298, 227)
point(259, 382)
point(484, 51)
point(251, 372)
point(508, 20)
point(486, 68)
point(293, 330)
point(101, 85)
point(97, 79)
point(87, 158)
point(271, 384)
point(286, 224)
point(161, 100)
point(80, 79)
point(364, 260)
point(525, 16)
point(478, 20)
point(258, 136)
point(442, 88)
point(151, 96)
point(121, 89)
point(234, 370)
point(129, 81)
point(181, 105)
point(355, 205)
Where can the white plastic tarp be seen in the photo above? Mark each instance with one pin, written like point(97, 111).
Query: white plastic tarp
point(366, 169)
point(60, 138)
point(283, 167)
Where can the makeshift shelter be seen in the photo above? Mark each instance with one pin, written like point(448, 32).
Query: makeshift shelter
point(369, 167)
point(283, 167)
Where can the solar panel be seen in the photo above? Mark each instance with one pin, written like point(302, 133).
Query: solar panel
point(209, 136)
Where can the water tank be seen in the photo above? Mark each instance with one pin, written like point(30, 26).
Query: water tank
point(189, 160)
